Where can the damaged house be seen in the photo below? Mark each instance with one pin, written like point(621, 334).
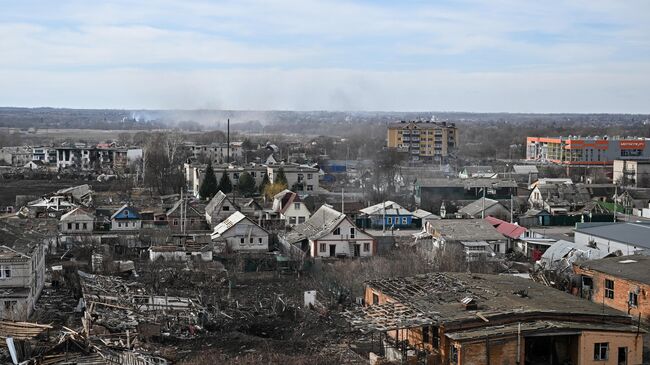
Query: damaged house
point(559, 198)
point(290, 207)
point(477, 237)
point(22, 271)
point(239, 233)
point(460, 318)
point(219, 208)
point(330, 233)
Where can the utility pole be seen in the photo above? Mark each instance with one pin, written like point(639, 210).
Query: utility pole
point(228, 143)
point(483, 210)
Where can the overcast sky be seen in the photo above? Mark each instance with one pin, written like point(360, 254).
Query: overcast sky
point(475, 55)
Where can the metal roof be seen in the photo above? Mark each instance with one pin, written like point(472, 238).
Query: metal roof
point(634, 267)
point(634, 234)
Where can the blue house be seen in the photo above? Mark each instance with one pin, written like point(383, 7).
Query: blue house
point(387, 214)
point(126, 218)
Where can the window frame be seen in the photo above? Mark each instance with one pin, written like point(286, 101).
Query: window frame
point(598, 351)
point(609, 289)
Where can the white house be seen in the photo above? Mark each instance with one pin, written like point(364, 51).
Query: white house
point(290, 207)
point(238, 233)
point(219, 208)
point(77, 220)
point(300, 177)
point(329, 233)
point(630, 238)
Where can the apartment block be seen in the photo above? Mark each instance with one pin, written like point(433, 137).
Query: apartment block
point(424, 141)
point(632, 173)
point(585, 151)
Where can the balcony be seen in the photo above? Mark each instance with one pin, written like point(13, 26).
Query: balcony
point(415, 139)
point(406, 139)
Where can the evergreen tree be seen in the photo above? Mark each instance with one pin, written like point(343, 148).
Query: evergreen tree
point(246, 184)
point(209, 185)
point(280, 177)
point(224, 184)
point(265, 182)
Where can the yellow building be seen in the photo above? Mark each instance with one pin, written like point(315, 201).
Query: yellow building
point(424, 140)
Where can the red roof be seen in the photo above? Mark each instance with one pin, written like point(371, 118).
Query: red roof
point(507, 229)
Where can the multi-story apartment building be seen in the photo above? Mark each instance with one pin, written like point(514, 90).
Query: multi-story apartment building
point(194, 174)
point(632, 173)
point(299, 177)
point(424, 141)
point(217, 151)
point(574, 150)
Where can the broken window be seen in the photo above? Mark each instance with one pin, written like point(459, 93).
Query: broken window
point(601, 350)
point(226, 208)
point(337, 231)
point(301, 219)
point(241, 240)
point(375, 298)
point(175, 222)
point(76, 226)
point(10, 305)
point(70, 226)
point(351, 232)
point(292, 220)
point(634, 299)
point(453, 355)
point(609, 289)
point(5, 272)
point(259, 240)
point(366, 247)
point(310, 187)
point(425, 334)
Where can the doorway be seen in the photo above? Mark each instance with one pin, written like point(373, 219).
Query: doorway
point(332, 250)
point(622, 356)
point(357, 250)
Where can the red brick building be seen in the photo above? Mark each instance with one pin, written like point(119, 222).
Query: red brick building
point(618, 282)
point(463, 319)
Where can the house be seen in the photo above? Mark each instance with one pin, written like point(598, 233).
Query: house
point(431, 192)
point(299, 177)
point(78, 220)
point(484, 207)
point(290, 207)
point(627, 237)
point(219, 208)
point(513, 232)
point(622, 283)
point(478, 238)
point(238, 233)
point(35, 165)
point(559, 198)
point(126, 218)
point(185, 216)
point(463, 318)
point(477, 172)
point(634, 201)
point(330, 233)
point(631, 173)
point(525, 174)
point(388, 214)
point(419, 215)
point(22, 271)
point(181, 253)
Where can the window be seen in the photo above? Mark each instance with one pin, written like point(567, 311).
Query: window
point(389, 220)
point(323, 247)
point(119, 224)
point(85, 225)
point(192, 221)
point(252, 173)
point(250, 240)
point(235, 176)
point(405, 220)
point(351, 232)
point(310, 176)
point(5, 272)
point(366, 247)
point(310, 187)
point(453, 355)
point(375, 298)
point(425, 334)
point(601, 350)
point(241, 240)
point(175, 222)
point(296, 206)
point(70, 226)
point(634, 299)
point(10, 305)
point(292, 220)
point(226, 208)
point(76, 226)
point(337, 231)
point(301, 219)
point(259, 240)
point(609, 289)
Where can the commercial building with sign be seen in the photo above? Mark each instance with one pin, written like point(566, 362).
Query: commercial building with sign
point(586, 150)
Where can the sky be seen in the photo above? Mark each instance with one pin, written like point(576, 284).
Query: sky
point(590, 56)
